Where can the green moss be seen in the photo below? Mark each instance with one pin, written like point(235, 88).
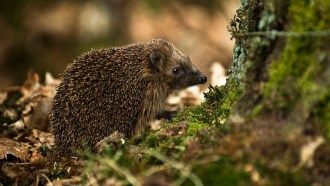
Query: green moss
point(194, 128)
point(194, 114)
point(299, 79)
point(293, 75)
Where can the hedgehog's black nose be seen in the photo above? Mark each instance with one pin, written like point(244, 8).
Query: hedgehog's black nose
point(202, 79)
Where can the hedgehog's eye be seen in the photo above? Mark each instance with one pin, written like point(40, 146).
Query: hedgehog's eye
point(175, 70)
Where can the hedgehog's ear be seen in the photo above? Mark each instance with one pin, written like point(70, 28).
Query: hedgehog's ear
point(156, 59)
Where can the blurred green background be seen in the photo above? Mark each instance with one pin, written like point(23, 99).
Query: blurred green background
point(47, 35)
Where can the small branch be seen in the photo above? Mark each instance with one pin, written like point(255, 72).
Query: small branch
point(275, 33)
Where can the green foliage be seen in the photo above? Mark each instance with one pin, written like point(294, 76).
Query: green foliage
point(222, 171)
point(152, 140)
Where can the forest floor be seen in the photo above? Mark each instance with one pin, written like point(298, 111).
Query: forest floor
point(181, 152)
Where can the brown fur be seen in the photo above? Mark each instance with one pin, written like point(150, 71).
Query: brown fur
point(117, 89)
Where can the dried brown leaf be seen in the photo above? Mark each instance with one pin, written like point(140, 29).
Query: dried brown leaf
point(14, 148)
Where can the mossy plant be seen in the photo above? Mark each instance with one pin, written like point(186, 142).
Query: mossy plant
point(222, 98)
point(299, 80)
point(197, 114)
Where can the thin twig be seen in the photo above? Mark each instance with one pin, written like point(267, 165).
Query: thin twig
point(153, 170)
point(183, 169)
point(47, 179)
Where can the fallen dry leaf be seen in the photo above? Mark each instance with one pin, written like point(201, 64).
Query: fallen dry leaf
point(14, 148)
point(36, 100)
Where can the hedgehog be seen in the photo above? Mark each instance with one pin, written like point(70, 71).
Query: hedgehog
point(118, 89)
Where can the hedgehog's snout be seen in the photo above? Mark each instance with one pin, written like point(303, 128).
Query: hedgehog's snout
point(197, 78)
point(202, 79)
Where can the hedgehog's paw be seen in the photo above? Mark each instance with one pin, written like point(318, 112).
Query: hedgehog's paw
point(166, 114)
point(114, 141)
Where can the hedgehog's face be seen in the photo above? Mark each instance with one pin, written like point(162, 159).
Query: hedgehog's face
point(177, 69)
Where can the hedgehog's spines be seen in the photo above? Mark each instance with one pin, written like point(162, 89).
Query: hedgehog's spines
point(117, 89)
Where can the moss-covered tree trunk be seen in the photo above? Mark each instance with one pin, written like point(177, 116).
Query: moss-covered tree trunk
point(280, 79)
point(288, 64)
